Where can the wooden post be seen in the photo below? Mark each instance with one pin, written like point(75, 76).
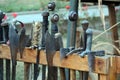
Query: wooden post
point(112, 74)
point(26, 70)
point(72, 74)
point(1, 69)
point(114, 34)
point(8, 69)
point(103, 77)
point(62, 74)
point(71, 32)
point(77, 39)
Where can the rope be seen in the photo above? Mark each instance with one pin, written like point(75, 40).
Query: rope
point(106, 31)
point(106, 43)
point(102, 14)
point(80, 6)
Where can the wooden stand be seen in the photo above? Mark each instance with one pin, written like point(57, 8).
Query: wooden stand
point(106, 67)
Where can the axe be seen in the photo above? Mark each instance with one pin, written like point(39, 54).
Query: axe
point(45, 28)
point(1, 41)
point(53, 44)
point(38, 41)
point(15, 41)
point(5, 27)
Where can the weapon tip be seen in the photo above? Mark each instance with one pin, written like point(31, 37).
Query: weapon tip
point(84, 22)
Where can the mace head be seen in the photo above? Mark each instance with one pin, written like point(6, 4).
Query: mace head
point(85, 24)
point(55, 18)
point(51, 6)
point(73, 16)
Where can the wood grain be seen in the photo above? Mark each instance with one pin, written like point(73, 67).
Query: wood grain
point(118, 63)
point(74, 61)
point(114, 31)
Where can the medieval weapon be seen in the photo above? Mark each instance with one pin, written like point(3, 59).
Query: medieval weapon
point(44, 30)
point(71, 32)
point(15, 41)
point(5, 27)
point(38, 41)
point(50, 51)
point(52, 45)
point(51, 6)
point(1, 41)
point(63, 51)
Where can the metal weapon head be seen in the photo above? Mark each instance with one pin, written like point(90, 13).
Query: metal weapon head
point(55, 18)
point(1, 15)
point(51, 6)
point(17, 21)
point(45, 14)
point(85, 24)
point(73, 16)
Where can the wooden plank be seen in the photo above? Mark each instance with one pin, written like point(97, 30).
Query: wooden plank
point(77, 39)
point(26, 70)
point(62, 74)
point(72, 74)
point(73, 61)
point(114, 31)
point(103, 77)
point(118, 64)
point(113, 69)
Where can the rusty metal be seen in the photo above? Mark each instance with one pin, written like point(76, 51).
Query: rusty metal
point(2, 40)
point(45, 28)
point(51, 6)
point(55, 40)
point(14, 39)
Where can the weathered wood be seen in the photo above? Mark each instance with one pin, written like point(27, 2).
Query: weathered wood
point(8, 69)
point(1, 70)
point(72, 74)
point(73, 61)
point(113, 69)
point(77, 39)
point(114, 31)
point(118, 64)
point(26, 70)
point(103, 77)
point(62, 74)
point(80, 75)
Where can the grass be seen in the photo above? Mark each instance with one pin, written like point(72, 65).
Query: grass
point(19, 5)
point(27, 5)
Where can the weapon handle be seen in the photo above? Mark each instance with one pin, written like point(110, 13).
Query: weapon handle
point(21, 23)
point(88, 43)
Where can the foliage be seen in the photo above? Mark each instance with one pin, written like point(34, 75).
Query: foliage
point(25, 5)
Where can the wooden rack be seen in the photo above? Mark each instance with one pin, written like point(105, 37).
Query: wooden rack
point(106, 67)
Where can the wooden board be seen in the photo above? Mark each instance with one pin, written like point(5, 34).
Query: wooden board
point(73, 61)
point(114, 31)
point(112, 70)
point(118, 64)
